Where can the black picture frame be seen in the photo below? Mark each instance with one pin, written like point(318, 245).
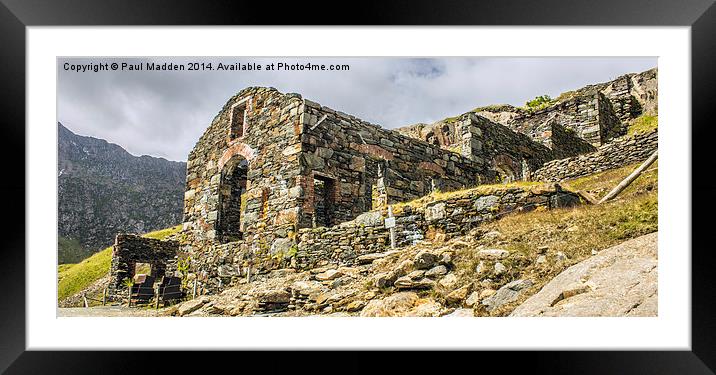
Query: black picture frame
point(700, 15)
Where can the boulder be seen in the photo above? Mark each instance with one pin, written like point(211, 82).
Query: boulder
point(416, 275)
point(426, 309)
point(472, 299)
point(275, 296)
point(449, 281)
point(461, 313)
point(500, 269)
point(493, 235)
point(425, 260)
point(457, 296)
point(384, 279)
point(394, 305)
point(329, 275)
point(406, 282)
point(485, 293)
point(355, 306)
point(369, 258)
point(437, 271)
point(307, 288)
point(189, 307)
point(510, 292)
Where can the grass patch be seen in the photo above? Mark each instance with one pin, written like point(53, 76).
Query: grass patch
point(73, 278)
point(643, 124)
point(598, 185)
point(163, 233)
point(79, 276)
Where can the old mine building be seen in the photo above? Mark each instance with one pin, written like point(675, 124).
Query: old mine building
point(271, 165)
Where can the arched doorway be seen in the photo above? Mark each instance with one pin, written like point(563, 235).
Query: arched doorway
point(506, 169)
point(232, 187)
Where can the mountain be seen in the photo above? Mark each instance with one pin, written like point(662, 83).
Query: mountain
point(103, 190)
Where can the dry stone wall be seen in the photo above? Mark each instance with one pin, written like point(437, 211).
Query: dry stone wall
point(345, 243)
point(620, 152)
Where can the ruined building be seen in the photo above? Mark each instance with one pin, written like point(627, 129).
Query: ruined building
point(271, 164)
point(595, 114)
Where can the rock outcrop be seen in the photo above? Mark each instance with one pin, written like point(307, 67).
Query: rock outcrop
point(619, 281)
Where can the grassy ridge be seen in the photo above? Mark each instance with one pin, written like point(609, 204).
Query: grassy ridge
point(72, 278)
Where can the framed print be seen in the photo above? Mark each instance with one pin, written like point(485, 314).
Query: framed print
point(216, 182)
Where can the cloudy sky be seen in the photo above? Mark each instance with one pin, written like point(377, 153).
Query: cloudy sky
point(164, 113)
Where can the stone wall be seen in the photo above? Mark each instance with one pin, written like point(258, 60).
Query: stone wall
point(363, 163)
point(130, 249)
point(620, 152)
point(586, 114)
point(512, 155)
point(565, 142)
point(597, 113)
point(345, 243)
point(228, 264)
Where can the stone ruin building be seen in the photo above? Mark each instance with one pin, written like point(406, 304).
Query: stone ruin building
point(271, 165)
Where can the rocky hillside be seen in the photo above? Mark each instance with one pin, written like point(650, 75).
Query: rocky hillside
point(489, 271)
point(103, 190)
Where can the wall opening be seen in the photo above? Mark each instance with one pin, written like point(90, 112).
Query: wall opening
point(232, 200)
point(432, 139)
point(323, 193)
point(142, 269)
point(238, 118)
point(505, 173)
point(374, 197)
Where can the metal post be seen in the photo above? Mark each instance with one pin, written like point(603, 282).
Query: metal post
point(392, 229)
point(84, 297)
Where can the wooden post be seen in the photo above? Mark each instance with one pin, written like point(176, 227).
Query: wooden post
point(129, 297)
point(622, 185)
point(156, 307)
point(104, 296)
point(193, 293)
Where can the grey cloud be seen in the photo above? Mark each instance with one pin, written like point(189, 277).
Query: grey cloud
point(164, 113)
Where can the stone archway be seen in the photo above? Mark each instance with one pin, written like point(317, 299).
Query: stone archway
point(232, 187)
point(507, 170)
